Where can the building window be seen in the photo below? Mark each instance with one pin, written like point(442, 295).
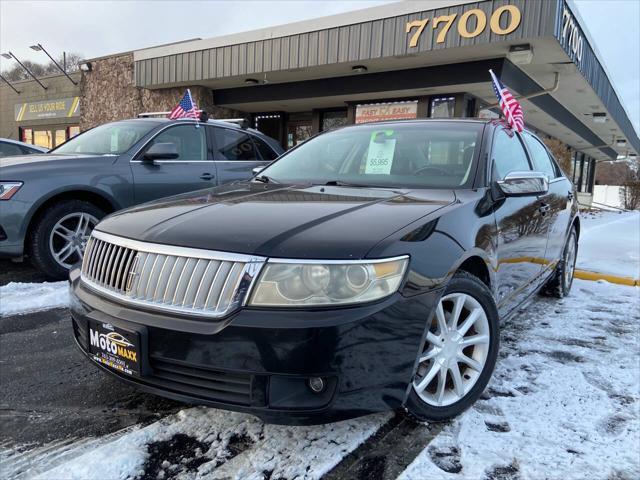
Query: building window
point(73, 131)
point(442, 107)
point(583, 172)
point(48, 137)
point(333, 119)
point(270, 124)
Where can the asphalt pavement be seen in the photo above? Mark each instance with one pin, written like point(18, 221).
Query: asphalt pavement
point(49, 390)
point(51, 395)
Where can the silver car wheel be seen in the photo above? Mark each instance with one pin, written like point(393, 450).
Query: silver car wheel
point(455, 351)
point(569, 262)
point(69, 237)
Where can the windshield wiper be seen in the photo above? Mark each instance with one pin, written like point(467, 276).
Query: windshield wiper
point(339, 183)
point(264, 179)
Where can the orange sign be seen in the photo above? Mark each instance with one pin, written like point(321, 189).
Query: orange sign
point(386, 111)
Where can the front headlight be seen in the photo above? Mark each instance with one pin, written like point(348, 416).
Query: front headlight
point(9, 189)
point(288, 283)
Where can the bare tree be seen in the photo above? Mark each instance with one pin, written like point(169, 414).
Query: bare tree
point(630, 189)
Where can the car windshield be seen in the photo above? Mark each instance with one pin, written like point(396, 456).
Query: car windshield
point(410, 155)
point(109, 139)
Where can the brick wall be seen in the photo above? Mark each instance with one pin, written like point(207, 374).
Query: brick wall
point(109, 93)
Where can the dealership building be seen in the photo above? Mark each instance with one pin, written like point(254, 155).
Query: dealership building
point(418, 59)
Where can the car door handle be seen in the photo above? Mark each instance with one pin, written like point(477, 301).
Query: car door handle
point(544, 208)
point(207, 176)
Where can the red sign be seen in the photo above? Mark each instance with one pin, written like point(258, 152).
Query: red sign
point(386, 111)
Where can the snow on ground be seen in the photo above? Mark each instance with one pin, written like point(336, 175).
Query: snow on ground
point(564, 402)
point(610, 243)
point(17, 298)
point(207, 443)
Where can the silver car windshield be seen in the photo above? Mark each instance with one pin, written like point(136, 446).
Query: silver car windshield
point(411, 155)
point(109, 139)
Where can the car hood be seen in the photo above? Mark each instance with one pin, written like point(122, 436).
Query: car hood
point(43, 158)
point(278, 221)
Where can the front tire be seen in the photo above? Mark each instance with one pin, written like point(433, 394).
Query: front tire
point(59, 236)
point(459, 353)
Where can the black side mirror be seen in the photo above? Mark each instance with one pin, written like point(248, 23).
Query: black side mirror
point(517, 184)
point(161, 151)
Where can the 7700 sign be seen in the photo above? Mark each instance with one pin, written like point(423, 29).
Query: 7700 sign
point(512, 13)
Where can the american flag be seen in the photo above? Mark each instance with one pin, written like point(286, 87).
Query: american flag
point(186, 108)
point(510, 106)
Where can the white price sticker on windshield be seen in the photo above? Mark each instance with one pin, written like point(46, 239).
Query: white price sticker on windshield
point(380, 155)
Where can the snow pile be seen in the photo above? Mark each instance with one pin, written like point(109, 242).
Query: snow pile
point(610, 243)
point(564, 402)
point(208, 443)
point(18, 298)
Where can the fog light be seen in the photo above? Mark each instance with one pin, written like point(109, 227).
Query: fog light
point(316, 384)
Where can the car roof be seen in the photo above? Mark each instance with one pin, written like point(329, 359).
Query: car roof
point(23, 144)
point(163, 121)
point(495, 122)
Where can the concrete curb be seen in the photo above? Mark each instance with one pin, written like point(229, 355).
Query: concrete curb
point(586, 275)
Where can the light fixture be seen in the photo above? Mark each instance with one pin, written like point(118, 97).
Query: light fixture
point(10, 85)
point(359, 68)
point(599, 117)
point(86, 66)
point(40, 48)
point(520, 54)
point(10, 55)
point(621, 142)
point(251, 81)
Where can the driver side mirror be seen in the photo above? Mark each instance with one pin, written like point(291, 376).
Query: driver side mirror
point(257, 170)
point(161, 151)
point(516, 184)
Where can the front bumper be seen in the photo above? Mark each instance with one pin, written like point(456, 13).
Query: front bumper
point(260, 361)
point(14, 214)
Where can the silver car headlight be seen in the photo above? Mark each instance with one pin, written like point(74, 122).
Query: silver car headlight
point(285, 283)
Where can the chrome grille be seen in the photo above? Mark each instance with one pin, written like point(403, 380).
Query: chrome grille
point(165, 277)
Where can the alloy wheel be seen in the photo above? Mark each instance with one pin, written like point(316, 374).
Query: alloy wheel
point(569, 262)
point(69, 237)
point(455, 351)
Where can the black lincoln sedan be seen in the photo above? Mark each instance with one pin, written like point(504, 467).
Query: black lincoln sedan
point(367, 269)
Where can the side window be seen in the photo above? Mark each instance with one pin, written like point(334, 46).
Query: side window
point(265, 150)
point(233, 145)
point(9, 149)
point(540, 157)
point(189, 140)
point(508, 155)
point(29, 151)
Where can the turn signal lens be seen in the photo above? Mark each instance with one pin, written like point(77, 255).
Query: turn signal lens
point(9, 189)
point(289, 283)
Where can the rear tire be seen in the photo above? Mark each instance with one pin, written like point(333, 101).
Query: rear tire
point(559, 285)
point(59, 236)
point(462, 350)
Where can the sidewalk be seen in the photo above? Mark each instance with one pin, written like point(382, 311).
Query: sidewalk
point(610, 247)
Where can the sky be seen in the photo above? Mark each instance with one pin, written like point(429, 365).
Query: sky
point(95, 28)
